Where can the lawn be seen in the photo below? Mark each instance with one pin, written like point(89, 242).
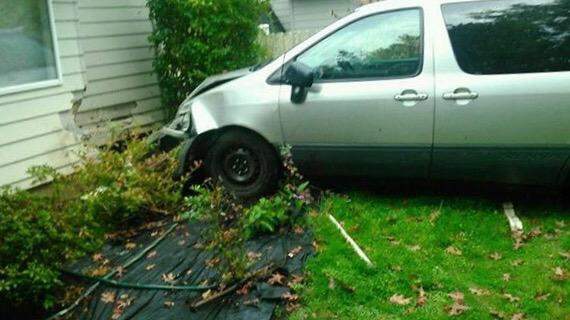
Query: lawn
point(435, 256)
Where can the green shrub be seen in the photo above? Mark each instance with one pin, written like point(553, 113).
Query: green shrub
point(194, 39)
point(123, 187)
point(42, 231)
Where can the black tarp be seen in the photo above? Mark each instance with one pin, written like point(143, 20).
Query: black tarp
point(182, 254)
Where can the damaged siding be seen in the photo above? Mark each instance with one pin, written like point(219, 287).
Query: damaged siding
point(106, 65)
point(121, 89)
point(32, 132)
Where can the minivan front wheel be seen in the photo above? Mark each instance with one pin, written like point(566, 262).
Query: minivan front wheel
point(244, 164)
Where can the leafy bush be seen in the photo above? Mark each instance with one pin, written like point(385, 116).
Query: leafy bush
point(193, 39)
point(232, 223)
point(123, 187)
point(41, 231)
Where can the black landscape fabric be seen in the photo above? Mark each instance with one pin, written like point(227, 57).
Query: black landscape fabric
point(181, 254)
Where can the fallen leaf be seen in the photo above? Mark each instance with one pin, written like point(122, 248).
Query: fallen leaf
point(120, 271)
point(393, 241)
point(422, 297)
point(290, 297)
point(541, 296)
point(332, 283)
point(434, 216)
point(479, 292)
point(108, 297)
point(414, 248)
point(298, 230)
point(290, 307)
point(253, 256)
point(210, 263)
point(169, 304)
point(517, 263)
point(294, 252)
point(456, 309)
point(506, 277)
point(97, 257)
point(245, 289)
point(518, 316)
point(396, 268)
point(276, 278)
point(181, 242)
point(518, 239)
point(498, 314)
point(457, 296)
point(400, 300)
point(495, 256)
point(535, 232)
point(150, 267)
point(510, 297)
point(151, 254)
point(560, 224)
point(560, 274)
point(100, 271)
point(295, 279)
point(130, 245)
point(565, 254)
point(454, 251)
point(168, 277)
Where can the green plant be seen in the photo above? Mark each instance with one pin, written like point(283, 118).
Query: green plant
point(231, 223)
point(193, 39)
point(42, 231)
point(123, 187)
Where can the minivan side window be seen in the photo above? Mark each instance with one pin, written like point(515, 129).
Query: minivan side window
point(510, 36)
point(387, 45)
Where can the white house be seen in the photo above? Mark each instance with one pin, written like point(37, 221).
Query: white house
point(70, 69)
point(296, 15)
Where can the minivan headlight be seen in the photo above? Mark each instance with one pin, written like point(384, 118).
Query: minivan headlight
point(183, 119)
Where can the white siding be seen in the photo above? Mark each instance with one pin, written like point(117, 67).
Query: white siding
point(106, 62)
point(310, 14)
point(121, 89)
point(31, 130)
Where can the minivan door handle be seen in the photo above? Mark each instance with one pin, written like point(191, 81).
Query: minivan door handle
point(463, 95)
point(407, 96)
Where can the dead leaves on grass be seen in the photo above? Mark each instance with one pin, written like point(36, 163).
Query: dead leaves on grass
point(560, 274)
point(495, 256)
point(458, 307)
point(479, 291)
point(454, 251)
point(276, 278)
point(511, 298)
point(400, 299)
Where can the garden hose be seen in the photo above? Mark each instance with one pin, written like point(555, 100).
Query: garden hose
point(138, 286)
point(107, 277)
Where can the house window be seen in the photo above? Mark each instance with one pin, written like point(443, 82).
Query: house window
point(28, 57)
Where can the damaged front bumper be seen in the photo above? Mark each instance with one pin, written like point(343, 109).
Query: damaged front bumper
point(167, 138)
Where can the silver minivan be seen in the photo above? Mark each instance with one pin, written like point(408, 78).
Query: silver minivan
point(456, 90)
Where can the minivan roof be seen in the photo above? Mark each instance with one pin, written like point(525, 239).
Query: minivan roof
point(404, 3)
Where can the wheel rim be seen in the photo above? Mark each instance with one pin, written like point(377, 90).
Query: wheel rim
point(241, 165)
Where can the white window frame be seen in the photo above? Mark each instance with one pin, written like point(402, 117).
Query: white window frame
point(43, 83)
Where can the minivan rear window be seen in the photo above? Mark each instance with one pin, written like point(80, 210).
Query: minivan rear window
point(510, 36)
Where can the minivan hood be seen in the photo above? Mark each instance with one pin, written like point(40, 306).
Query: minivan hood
point(218, 80)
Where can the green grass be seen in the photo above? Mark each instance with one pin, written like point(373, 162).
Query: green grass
point(476, 226)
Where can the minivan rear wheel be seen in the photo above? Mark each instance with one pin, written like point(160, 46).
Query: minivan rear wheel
point(244, 164)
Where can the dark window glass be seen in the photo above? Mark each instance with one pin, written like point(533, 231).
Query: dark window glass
point(510, 36)
point(387, 45)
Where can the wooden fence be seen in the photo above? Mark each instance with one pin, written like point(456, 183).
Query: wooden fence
point(279, 43)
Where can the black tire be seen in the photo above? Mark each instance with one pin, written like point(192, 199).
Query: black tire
point(245, 164)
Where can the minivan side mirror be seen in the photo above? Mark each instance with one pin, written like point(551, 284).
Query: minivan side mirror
point(300, 76)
